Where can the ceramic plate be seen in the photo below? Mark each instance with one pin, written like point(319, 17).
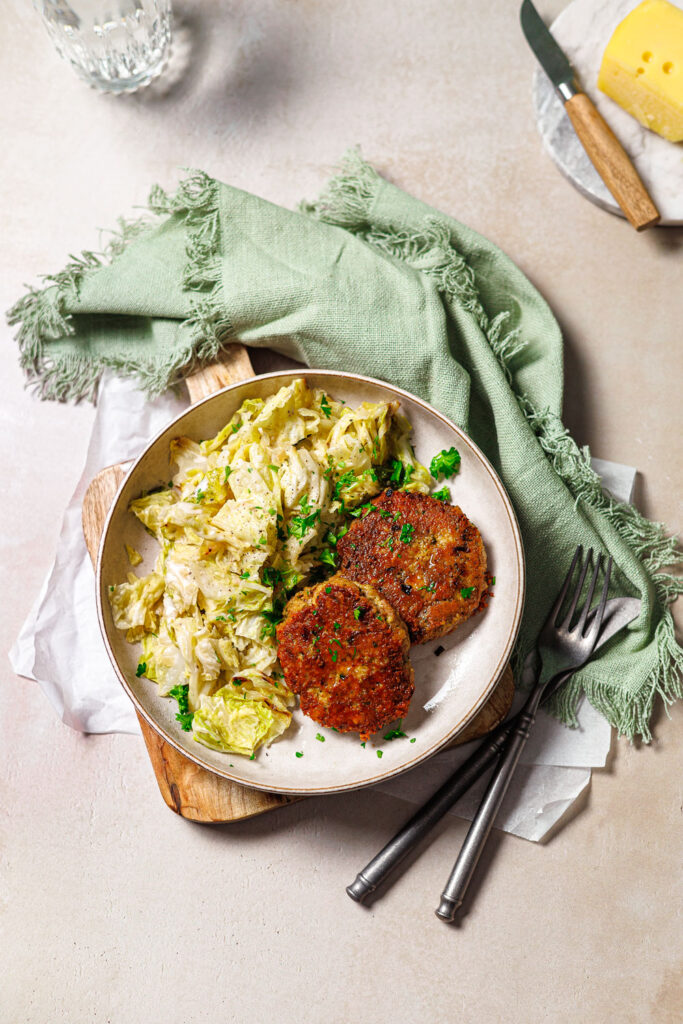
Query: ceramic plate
point(453, 676)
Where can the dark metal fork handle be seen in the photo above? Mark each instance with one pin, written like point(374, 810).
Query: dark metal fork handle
point(453, 894)
point(424, 820)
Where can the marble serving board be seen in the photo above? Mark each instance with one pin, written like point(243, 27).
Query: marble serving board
point(583, 30)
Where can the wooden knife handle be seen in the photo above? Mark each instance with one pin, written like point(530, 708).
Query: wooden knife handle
point(612, 162)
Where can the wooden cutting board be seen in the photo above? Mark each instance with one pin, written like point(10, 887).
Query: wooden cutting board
point(187, 789)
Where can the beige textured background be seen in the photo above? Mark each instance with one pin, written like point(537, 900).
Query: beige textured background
point(111, 908)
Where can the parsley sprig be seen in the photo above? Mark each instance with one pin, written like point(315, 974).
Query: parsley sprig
point(299, 526)
point(446, 463)
point(184, 715)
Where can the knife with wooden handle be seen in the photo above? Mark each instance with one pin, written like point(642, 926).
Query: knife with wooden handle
point(601, 144)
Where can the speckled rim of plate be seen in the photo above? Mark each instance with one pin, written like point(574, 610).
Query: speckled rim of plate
point(129, 487)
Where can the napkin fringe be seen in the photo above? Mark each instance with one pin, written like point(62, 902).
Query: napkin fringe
point(42, 312)
point(196, 199)
point(42, 318)
point(347, 202)
point(651, 544)
point(630, 717)
point(347, 199)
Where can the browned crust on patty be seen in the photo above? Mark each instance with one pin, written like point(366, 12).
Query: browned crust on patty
point(344, 651)
point(420, 554)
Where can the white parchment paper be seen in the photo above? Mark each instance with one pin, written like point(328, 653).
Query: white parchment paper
point(60, 647)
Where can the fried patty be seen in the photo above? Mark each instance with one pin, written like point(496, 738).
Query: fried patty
point(344, 650)
point(423, 555)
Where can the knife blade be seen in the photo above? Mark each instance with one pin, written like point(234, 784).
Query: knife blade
point(602, 146)
point(548, 53)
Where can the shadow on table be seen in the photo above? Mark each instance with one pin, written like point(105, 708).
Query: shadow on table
point(342, 818)
point(668, 240)
point(231, 57)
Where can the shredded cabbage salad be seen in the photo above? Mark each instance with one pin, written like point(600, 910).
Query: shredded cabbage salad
point(250, 516)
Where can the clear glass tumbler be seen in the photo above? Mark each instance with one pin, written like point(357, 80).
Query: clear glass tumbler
point(115, 45)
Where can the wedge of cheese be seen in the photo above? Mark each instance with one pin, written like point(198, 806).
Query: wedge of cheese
point(642, 68)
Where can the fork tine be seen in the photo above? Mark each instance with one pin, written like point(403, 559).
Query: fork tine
point(597, 621)
point(577, 592)
point(557, 607)
point(581, 624)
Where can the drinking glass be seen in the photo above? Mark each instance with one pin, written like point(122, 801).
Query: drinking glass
point(115, 45)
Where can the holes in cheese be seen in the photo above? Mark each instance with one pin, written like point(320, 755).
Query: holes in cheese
point(642, 67)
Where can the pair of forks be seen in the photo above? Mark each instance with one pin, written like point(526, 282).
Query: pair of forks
point(570, 639)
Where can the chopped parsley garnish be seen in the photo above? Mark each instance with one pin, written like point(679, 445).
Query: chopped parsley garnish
point(395, 474)
point(431, 587)
point(244, 575)
point(363, 744)
point(271, 577)
point(396, 734)
point(236, 681)
point(184, 715)
point(406, 533)
point(329, 557)
point(141, 669)
point(446, 463)
point(272, 617)
point(356, 614)
point(328, 590)
point(493, 580)
point(199, 496)
point(252, 756)
point(412, 740)
point(305, 505)
point(319, 737)
point(325, 406)
point(443, 495)
point(220, 618)
point(236, 426)
point(275, 469)
point(300, 525)
point(334, 654)
point(337, 625)
point(361, 510)
point(380, 753)
point(228, 471)
point(299, 753)
point(332, 538)
point(467, 592)
point(345, 480)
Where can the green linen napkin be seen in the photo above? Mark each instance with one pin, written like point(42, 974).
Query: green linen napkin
point(370, 279)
